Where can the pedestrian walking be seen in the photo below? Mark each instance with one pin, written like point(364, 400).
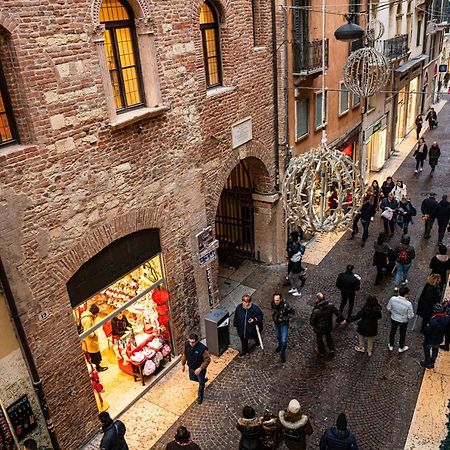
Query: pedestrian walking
point(292, 245)
point(338, 437)
point(197, 358)
point(30, 444)
point(405, 213)
point(434, 152)
point(387, 187)
point(419, 123)
point(429, 209)
point(90, 344)
point(322, 322)
point(296, 426)
point(366, 215)
point(376, 198)
point(182, 441)
point(282, 313)
point(446, 345)
point(247, 317)
point(368, 317)
point(404, 256)
point(431, 117)
point(399, 190)
point(348, 283)
point(389, 206)
point(442, 217)
point(272, 433)
point(446, 78)
point(434, 333)
point(250, 428)
point(113, 433)
point(440, 264)
point(297, 273)
point(420, 153)
point(381, 256)
point(430, 296)
point(401, 312)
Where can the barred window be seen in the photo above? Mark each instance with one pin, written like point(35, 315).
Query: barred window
point(8, 133)
point(122, 54)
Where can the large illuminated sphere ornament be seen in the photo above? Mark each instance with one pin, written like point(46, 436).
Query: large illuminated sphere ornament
point(317, 187)
point(366, 72)
point(374, 31)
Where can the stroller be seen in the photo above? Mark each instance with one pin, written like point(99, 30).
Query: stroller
point(272, 432)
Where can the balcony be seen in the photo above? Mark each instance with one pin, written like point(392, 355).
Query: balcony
point(308, 57)
point(396, 47)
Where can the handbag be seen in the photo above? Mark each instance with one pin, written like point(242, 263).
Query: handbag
point(387, 214)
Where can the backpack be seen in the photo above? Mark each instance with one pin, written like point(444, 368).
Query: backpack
point(403, 255)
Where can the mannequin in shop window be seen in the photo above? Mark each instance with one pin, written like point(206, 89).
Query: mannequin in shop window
point(120, 325)
point(90, 344)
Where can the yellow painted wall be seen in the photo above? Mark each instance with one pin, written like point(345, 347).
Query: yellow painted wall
point(9, 341)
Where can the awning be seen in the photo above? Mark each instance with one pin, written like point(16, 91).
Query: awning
point(411, 64)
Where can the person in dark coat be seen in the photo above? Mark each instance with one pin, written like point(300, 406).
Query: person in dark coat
point(251, 430)
point(348, 283)
point(429, 208)
point(120, 325)
point(282, 313)
point(292, 247)
point(387, 187)
point(442, 217)
point(113, 433)
point(296, 426)
point(368, 318)
point(389, 204)
point(418, 122)
point(376, 198)
point(247, 317)
point(338, 437)
point(366, 214)
point(322, 322)
point(182, 441)
point(432, 118)
point(434, 333)
point(440, 264)
point(434, 152)
point(405, 213)
point(381, 255)
point(430, 296)
point(420, 153)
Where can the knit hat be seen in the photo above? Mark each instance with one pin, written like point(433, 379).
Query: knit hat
point(294, 406)
point(405, 239)
point(341, 422)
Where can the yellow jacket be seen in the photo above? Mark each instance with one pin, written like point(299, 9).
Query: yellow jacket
point(90, 343)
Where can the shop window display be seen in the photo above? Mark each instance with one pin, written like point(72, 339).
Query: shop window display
point(125, 334)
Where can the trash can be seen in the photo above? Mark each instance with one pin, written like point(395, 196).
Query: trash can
point(217, 328)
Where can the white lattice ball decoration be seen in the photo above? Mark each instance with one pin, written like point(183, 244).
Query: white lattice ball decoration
point(309, 181)
point(374, 31)
point(366, 72)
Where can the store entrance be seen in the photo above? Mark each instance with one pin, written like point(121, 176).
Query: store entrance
point(124, 325)
point(234, 218)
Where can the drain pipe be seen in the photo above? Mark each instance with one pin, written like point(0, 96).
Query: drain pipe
point(275, 96)
point(37, 382)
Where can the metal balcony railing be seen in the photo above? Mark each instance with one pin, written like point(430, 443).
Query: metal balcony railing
point(308, 56)
point(396, 47)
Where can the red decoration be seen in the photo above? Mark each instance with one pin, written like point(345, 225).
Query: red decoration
point(160, 296)
point(163, 320)
point(162, 310)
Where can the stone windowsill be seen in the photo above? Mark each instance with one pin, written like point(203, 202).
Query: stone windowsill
point(122, 120)
point(214, 92)
point(8, 150)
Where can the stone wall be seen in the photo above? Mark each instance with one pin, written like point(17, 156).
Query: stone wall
point(76, 182)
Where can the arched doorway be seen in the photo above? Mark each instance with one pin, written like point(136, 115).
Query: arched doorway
point(234, 218)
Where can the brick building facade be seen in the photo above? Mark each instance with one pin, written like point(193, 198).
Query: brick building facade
point(80, 173)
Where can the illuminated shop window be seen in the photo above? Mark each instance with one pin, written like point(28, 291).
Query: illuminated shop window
point(7, 128)
point(122, 54)
point(209, 27)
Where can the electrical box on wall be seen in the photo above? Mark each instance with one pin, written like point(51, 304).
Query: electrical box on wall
point(296, 92)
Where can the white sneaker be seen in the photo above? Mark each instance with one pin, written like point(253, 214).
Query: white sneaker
point(396, 289)
point(371, 219)
point(416, 171)
point(296, 294)
point(405, 282)
point(391, 349)
point(401, 350)
point(420, 170)
point(292, 290)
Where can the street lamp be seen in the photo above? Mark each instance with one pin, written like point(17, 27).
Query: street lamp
point(349, 32)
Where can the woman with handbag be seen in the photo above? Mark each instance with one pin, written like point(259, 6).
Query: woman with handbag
point(420, 154)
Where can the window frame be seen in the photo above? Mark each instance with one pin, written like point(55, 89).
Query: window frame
point(343, 112)
point(110, 28)
point(216, 27)
point(8, 111)
point(355, 104)
point(304, 135)
point(324, 122)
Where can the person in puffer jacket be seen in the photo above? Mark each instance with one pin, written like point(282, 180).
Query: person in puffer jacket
point(296, 426)
point(251, 430)
point(113, 433)
point(338, 437)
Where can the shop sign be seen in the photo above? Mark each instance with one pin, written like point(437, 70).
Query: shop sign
point(204, 239)
point(376, 127)
point(6, 437)
point(442, 67)
point(241, 132)
point(21, 417)
point(207, 256)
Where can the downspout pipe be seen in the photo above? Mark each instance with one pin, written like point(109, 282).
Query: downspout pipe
point(37, 382)
point(276, 127)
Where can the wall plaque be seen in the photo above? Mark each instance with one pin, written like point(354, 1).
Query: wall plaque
point(241, 132)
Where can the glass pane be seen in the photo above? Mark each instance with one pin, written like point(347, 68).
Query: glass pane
point(318, 110)
point(302, 117)
point(131, 86)
point(206, 15)
point(116, 88)
point(109, 50)
point(5, 131)
point(344, 99)
point(112, 10)
point(125, 44)
point(210, 38)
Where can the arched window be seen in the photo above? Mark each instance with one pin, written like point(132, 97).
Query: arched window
point(122, 54)
point(7, 124)
point(209, 27)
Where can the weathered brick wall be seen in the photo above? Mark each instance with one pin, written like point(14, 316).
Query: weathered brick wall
point(74, 185)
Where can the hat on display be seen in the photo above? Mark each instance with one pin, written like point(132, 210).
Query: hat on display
point(294, 407)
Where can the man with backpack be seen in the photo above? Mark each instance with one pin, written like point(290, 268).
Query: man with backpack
point(113, 433)
point(404, 255)
point(296, 275)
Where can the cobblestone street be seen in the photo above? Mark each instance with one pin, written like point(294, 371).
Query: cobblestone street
point(377, 394)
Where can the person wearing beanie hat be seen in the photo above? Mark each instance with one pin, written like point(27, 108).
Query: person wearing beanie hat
point(251, 430)
point(90, 344)
point(404, 255)
point(296, 426)
point(338, 437)
point(434, 333)
point(182, 441)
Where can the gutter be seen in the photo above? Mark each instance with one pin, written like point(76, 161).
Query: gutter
point(276, 128)
point(37, 382)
